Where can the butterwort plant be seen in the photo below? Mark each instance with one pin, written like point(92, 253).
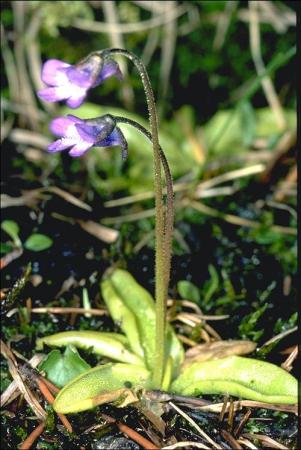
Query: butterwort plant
point(148, 354)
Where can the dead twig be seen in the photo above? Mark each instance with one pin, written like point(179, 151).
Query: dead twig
point(232, 441)
point(242, 423)
point(141, 440)
point(54, 389)
point(50, 399)
point(30, 440)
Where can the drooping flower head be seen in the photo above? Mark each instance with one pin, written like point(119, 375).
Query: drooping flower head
point(80, 135)
point(71, 83)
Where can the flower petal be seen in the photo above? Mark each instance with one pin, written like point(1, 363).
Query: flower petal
point(87, 133)
point(115, 138)
point(110, 68)
point(60, 144)
point(59, 125)
point(52, 73)
point(80, 148)
point(54, 94)
point(79, 77)
point(76, 99)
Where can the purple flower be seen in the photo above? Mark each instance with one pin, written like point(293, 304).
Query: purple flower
point(80, 135)
point(71, 83)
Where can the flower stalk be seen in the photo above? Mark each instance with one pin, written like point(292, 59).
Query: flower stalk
point(164, 226)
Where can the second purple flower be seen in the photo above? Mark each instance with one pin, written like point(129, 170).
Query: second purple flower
point(80, 135)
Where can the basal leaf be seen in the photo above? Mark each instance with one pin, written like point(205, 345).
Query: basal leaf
point(111, 345)
point(242, 377)
point(139, 301)
point(79, 394)
point(61, 368)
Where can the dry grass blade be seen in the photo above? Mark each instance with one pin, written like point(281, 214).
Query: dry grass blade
point(217, 407)
point(186, 444)
point(288, 363)
point(68, 197)
point(102, 233)
point(247, 443)
point(195, 425)
point(60, 310)
point(228, 176)
point(288, 183)
point(223, 24)
point(28, 198)
point(202, 190)
point(236, 220)
point(266, 81)
point(12, 390)
point(129, 217)
point(134, 27)
point(266, 440)
point(198, 318)
point(28, 137)
point(168, 45)
point(28, 395)
point(186, 340)
point(111, 16)
point(280, 336)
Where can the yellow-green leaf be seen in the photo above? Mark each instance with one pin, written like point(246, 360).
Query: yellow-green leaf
point(242, 377)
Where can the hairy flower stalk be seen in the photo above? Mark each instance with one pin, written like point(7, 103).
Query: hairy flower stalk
point(164, 227)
